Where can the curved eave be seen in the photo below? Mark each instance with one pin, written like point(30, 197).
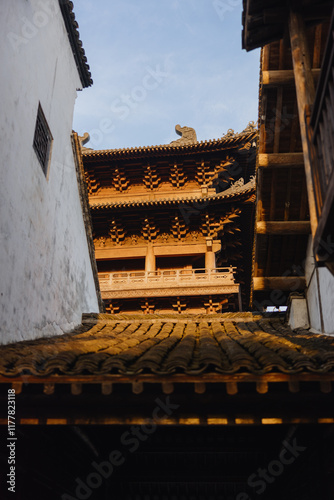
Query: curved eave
point(166, 149)
point(237, 195)
point(80, 58)
point(265, 22)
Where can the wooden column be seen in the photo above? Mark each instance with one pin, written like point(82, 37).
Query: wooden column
point(305, 96)
point(210, 260)
point(150, 258)
point(210, 256)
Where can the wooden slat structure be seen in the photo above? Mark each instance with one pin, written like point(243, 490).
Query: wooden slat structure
point(293, 40)
point(321, 142)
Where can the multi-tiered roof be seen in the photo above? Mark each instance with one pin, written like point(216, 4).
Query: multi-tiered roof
point(173, 223)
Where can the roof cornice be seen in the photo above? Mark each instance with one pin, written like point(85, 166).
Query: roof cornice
point(66, 7)
point(231, 194)
point(226, 142)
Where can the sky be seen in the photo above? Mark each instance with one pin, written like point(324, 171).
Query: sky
point(159, 63)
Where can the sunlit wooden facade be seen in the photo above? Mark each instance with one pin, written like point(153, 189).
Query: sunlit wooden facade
point(173, 224)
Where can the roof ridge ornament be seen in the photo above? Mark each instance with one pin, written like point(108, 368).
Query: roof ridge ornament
point(83, 139)
point(188, 136)
point(251, 128)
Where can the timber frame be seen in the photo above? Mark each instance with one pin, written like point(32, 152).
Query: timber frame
point(169, 220)
point(293, 38)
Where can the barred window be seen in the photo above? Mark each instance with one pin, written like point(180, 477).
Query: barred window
point(42, 140)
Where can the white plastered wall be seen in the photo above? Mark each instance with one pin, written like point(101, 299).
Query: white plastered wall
point(320, 295)
point(46, 280)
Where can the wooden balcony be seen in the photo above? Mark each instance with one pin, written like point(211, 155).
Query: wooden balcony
point(321, 143)
point(165, 283)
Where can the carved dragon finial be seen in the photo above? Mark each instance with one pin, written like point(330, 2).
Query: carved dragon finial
point(251, 127)
point(229, 134)
point(83, 139)
point(188, 136)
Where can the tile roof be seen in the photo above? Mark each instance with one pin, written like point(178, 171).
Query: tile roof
point(227, 195)
point(66, 7)
point(130, 345)
point(228, 141)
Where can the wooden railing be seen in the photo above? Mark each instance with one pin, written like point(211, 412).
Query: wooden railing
point(134, 279)
point(321, 144)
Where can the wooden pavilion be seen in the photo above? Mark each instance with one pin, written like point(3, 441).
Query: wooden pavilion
point(173, 224)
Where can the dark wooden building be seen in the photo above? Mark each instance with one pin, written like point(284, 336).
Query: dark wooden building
point(294, 222)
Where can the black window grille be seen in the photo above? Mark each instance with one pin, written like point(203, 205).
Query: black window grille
point(42, 140)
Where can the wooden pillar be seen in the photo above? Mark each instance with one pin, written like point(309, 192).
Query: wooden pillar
point(210, 256)
point(305, 96)
point(210, 260)
point(150, 259)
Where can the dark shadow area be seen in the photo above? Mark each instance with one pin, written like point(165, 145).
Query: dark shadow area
point(173, 463)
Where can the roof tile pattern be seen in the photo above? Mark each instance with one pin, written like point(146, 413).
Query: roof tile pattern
point(129, 345)
point(240, 193)
point(72, 26)
point(225, 142)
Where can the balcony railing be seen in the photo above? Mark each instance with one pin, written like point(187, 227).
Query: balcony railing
point(171, 277)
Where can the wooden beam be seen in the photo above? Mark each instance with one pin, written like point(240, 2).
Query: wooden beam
point(209, 420)
point(49, 389)
point(273, 188)
point(179, 378)
point(262, 387)
point(275, 78)
point(106, 388)
point(285, 283)
point(305, 91)
point(317, 47)
point(76, 389)
point(167, 388)
point(274, 160)
point(200, 388)
point(303, 202)
point(294, 386)
point(294, 130)
point(265, 53)
point(232, 388)
point(326, 386)
point(17, 386)
point(288, 196)
point(137, 387)
point(283, 227)
point(278, 119)
point(263, 114)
